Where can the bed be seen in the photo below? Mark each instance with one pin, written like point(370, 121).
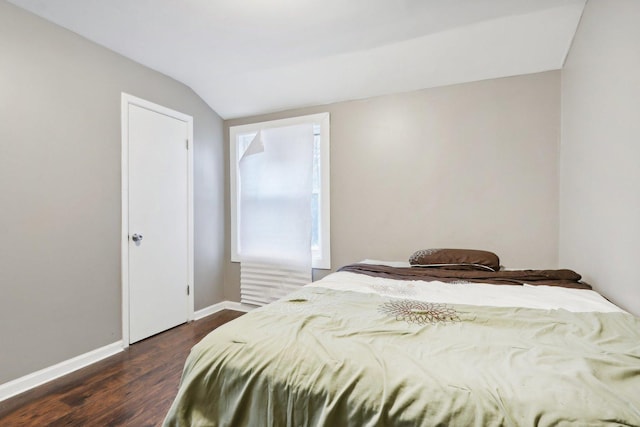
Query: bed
point(372, 345)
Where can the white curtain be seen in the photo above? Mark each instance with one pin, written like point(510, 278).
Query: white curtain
point(275, 197)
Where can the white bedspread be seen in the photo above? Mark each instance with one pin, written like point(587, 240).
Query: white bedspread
point(541, 297)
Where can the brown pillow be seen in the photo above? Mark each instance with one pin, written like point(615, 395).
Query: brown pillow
point(462, 257)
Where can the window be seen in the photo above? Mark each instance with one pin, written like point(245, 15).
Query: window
point(241, 137)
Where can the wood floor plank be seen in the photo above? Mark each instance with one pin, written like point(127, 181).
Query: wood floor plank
point(132, 388)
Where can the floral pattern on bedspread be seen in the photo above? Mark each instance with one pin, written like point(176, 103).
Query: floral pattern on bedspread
point(418, 312)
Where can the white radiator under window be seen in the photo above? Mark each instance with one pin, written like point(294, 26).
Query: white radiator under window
point(261, 284)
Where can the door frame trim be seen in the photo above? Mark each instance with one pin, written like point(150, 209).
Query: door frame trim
point(126, 101)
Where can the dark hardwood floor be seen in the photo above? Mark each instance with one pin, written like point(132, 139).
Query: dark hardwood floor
point(133, 388)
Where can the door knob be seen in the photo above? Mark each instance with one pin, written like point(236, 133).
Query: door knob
point(136, 237)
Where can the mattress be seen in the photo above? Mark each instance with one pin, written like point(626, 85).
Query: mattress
point(354, 350)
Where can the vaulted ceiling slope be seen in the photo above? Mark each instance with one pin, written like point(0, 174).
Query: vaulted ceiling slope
point(246, 57)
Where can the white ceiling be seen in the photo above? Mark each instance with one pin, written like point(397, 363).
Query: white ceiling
point(246, 57)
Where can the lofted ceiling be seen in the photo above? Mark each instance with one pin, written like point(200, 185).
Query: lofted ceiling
point(246, 57)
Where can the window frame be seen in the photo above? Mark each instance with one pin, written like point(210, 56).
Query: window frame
point(321, 257)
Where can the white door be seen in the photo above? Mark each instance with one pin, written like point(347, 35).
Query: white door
point(158, 222)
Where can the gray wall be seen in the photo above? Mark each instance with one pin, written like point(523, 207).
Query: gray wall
point(472, 165)
point(60, 190)
point(600, 155)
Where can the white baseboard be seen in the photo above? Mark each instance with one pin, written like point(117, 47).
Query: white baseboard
point(238, 306)
point(45, 375)
point(224, 305)
point(208, 311)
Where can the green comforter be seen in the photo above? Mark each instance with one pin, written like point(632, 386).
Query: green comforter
point(322, 357)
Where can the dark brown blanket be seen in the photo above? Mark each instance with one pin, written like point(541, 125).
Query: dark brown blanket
point(564, 278)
